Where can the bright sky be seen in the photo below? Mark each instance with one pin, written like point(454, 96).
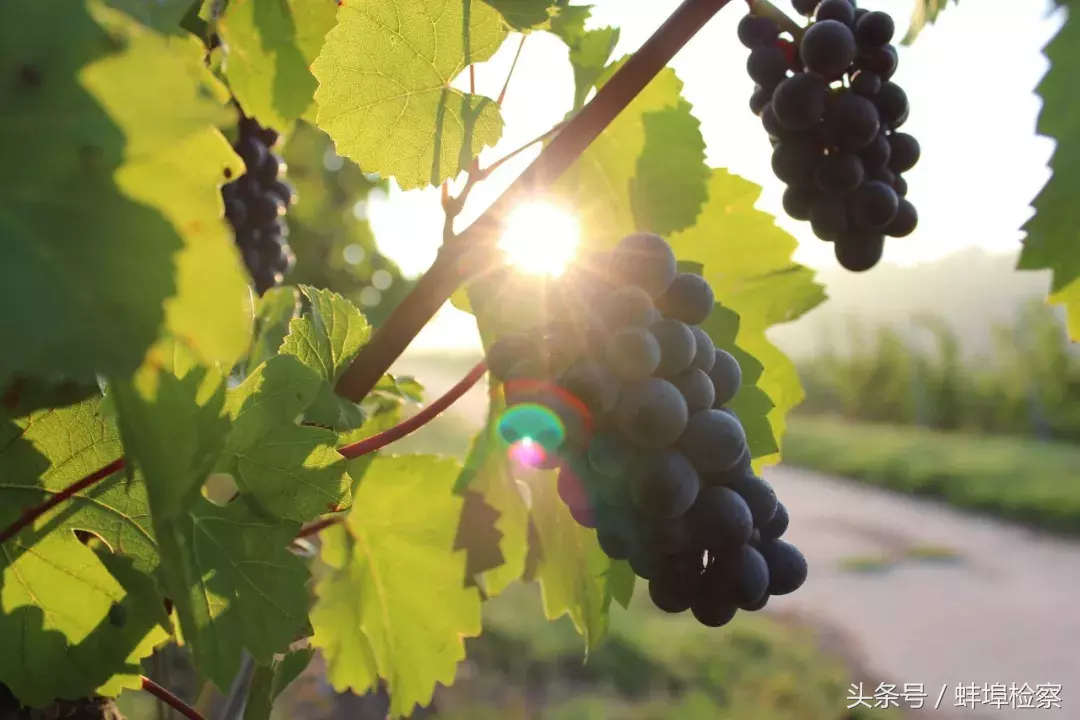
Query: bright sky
point(970, 80)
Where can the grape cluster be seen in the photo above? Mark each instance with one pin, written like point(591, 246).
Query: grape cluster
point(650, 456)
point(833, 115)
point(255, 205)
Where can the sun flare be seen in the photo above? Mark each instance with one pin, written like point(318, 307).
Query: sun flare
point(540, 238)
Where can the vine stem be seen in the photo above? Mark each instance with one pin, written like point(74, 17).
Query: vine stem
point(171, 700)
point(449, 270)
point(33, 513)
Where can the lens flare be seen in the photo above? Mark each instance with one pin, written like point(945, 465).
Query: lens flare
point(540, 238)
point(532, 422)
point(528, 453)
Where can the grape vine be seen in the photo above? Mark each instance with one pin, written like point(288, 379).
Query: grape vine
point(178, 425)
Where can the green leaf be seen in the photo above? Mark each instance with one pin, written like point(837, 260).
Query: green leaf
point(161, 15)
point(1053, 233)
point(392, 601)
point(576, 577)
point(234, 585)
point(271, 45)
point(49, 450)
point(747, 260)
point(924, 13)
point(172, 423)
point(590, 50)
point(601, 184)
point(293, 471)
point(523, 15)
point(89, 147)
point(384, 86)
point(269, 681)
point(327, 338)
point(276, 309)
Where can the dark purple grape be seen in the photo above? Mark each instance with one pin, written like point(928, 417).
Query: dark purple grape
point(851, 121)
point(883, 174)
point(805, 7)
point(875, 156)
point(673, 588)
point(839, 10)
point(252, 152)
point(905, 152)
point(828, 218)
point(269, 136)
point(713, 604)
point(799, 101)
point(874, 30)
point(285, 191)
point(827, 48)
point(284, 261)
point(236, 212)
point(770, 122)
point(839, 173)
point(900, 185)
point(265, 209)
point(759, 99)
point(892, 105)
point(856, 250)
point(787, 567)
point(794, 160)
point(798, 200)
point(248, 187)
point(882, 61)
point(866, 83)
point(767, 66)
point(875, 204)
point(272, 168)
point(755, 31)
point(905, 221)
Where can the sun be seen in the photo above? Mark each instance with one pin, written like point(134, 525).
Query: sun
point(540, 238)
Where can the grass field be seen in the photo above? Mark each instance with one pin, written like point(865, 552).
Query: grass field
point(1019, 479)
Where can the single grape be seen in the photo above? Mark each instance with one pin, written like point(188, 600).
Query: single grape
point(749, 574)
point(866, 84)
point(633, 354)
point(754, 607)
point(859, 250)
point(248, 187)
point(720, 520)
point(874, 204)
point(236, 212)
point(794, 160)
point(705, 352)
point(767, 66)
point(875, 156)
point(799, 101)
point(672, 590)
point(689, 298)
point(645, 561)
point(651, 414)
point(884, 175)
point(585, 517)
point(668, 486)
point(713, 441)
point(851, 121)
point(839, 173)
point(770, 122)
point(841, 11)
point(827, 48)
point(900, 185)
point(805, 7)
point(726, 376)
point(798, 201)
point(777, 524)
point(755, 31)
point(645, 260)
point(882, 60)
point(759, 99)
point(610, 455)
point(905, 152)
point(284, 191)
point(508, 351)
point(787, 566)
point(874, 30)
point(272, 168)
point(713, 604)
point(265, 209)
point(628, 306)
point(252, 152)
point(593, 384)
point(572, 490)
point(828, 218)
point(759, 496)
point(696, 388)
point(892, 105)
point(677, 346)
point(905, 221)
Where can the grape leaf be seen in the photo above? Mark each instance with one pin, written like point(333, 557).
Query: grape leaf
point(86, 141)
point(601, 185)
point(384, 86)
point(523, 15)
point(293, 471)
point(576, 577)
point(590, 50)
point(1053, 233)
point(276, 309)
point(234, 585)
point(924, 13)
point(374, 615)
point(271, 45)
point(747, 260)
point(161, 15)
point(326, 338)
